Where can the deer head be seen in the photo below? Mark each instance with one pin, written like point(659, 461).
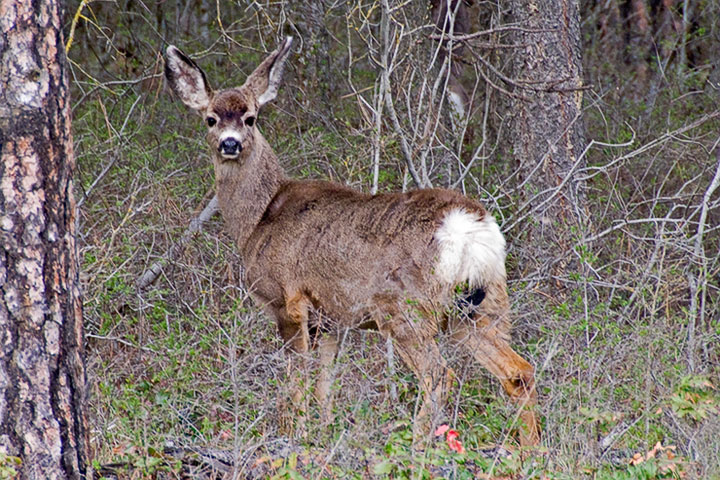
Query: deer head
point(230, 114)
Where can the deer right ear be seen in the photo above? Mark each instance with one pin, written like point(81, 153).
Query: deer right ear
point(186, 79)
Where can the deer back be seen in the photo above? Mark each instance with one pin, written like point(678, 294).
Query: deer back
point(349, 251)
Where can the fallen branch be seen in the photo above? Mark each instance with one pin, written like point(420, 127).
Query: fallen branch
point(196, 224)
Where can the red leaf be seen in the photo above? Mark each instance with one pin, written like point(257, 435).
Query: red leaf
point(453, 441)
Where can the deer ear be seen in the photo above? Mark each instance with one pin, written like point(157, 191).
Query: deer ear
point(186, 79)
point(265, 80)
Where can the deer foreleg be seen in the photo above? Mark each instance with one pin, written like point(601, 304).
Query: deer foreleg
point(293, 326)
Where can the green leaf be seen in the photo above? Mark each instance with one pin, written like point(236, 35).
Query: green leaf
point(383, 468)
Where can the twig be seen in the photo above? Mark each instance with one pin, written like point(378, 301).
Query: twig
point(106, 85)
point(556, 190)
point(625, 223)
point(113, 157)
point(618, 431)
point(698, 282)
point(119, 340)
point(105, 170)
point(393, 114)
point(549, 86)
point(390, 359)
point(332, 451)
point(379, 99)
point(509, 28)
point(594, 170)
point(195, 225)
point(356, 93)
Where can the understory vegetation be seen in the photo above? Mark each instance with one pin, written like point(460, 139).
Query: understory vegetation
point(621, 319)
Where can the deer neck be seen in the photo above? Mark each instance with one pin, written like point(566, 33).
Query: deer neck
point(245, 189)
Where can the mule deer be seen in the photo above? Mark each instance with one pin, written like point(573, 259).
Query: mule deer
point(387, 261)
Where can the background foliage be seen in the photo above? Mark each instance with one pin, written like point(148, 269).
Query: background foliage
point(624, 335)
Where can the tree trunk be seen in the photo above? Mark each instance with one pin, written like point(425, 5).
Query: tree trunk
point(42, 371)
point(545, 129)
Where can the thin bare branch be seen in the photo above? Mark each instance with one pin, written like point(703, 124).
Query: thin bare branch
point(196, 225)
point(491, 31)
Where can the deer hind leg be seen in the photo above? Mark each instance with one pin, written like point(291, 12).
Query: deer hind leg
point(414, 339)
point(327, 347)
point(486, 337)
point(293, 327)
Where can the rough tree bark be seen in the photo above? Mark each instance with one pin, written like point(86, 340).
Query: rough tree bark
point(42, 371)
point(546, 129)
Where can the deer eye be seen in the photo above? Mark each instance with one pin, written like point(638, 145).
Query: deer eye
point(211, 121)
point(250, 121)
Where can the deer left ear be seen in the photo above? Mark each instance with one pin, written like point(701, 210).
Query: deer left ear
point(265, 80)
point(186, 79)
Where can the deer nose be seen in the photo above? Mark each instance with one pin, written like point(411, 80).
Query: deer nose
point(230, 146)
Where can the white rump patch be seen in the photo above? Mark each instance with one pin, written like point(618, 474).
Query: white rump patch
point(471, 249)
